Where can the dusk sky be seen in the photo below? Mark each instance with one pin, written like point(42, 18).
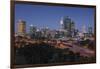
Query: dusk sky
point(42, 15)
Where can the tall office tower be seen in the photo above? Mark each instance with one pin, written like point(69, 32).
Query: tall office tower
point(61, 23)
point(72, 26)
point(90, 32)
point(72, 29)
point(84, 32)
point(68, 25)
point(32, 31)
point(21, 27)
point(66, 22)
point(46, 32)
point(62, 31)
point(83, 29)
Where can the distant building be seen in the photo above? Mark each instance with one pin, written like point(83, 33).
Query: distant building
point(72, 29)
point(76, 31)
point(21, 27)
point(61, 23)
point(46, 32)
point(84, 29)
point(32, 31)
point(90, 32)
point(68, 25)
point(84, 32)
point(53, 32)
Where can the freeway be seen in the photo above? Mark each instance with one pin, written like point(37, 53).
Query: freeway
point(60, 44)
point(78, 49)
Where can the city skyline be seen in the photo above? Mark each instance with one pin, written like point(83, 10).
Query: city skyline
point(50, 16)
point(50, 34)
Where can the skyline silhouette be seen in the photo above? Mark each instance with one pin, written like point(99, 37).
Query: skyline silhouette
point(50, 16)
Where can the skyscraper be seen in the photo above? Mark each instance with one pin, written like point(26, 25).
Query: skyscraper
point(61, 23)
point(90, 32)
point(72, 28)
point(68, 25)
point(84, 32)
point(83, 29)
point(32, 31)
point(21, 27)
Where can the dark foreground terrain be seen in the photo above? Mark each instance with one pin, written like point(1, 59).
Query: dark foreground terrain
point(45, 54)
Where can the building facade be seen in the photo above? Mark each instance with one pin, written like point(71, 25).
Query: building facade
point(21, 27)
point(32, 31)
point(68, 25)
